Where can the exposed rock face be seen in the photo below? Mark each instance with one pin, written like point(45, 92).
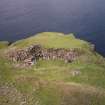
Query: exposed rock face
point(33, 53)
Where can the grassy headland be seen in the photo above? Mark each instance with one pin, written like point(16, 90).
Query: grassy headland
point(52, 82)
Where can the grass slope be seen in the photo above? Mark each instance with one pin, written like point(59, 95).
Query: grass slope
point(52, 82)
point(4, 44)
point(52, 40)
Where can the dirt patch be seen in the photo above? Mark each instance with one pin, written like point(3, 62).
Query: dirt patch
point(11, 96)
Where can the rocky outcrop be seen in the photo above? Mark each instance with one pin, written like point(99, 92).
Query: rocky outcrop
point(33, 53)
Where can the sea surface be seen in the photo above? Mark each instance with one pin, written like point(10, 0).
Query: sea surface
point(85, 18)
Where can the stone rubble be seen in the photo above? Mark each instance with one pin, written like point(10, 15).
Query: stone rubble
point(32, 54)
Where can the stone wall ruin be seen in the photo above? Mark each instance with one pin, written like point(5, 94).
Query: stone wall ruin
point(33, 53)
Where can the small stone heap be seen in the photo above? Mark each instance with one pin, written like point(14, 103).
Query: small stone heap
point(30, 55)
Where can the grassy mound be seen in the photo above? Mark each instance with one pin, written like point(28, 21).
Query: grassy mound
point(53, 82)
point(52, 40)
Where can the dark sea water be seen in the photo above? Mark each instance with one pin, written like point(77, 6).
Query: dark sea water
point(23, 18)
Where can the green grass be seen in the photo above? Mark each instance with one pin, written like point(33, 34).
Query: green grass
point(3, 44)
point(52, 40)
point(51, 82)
